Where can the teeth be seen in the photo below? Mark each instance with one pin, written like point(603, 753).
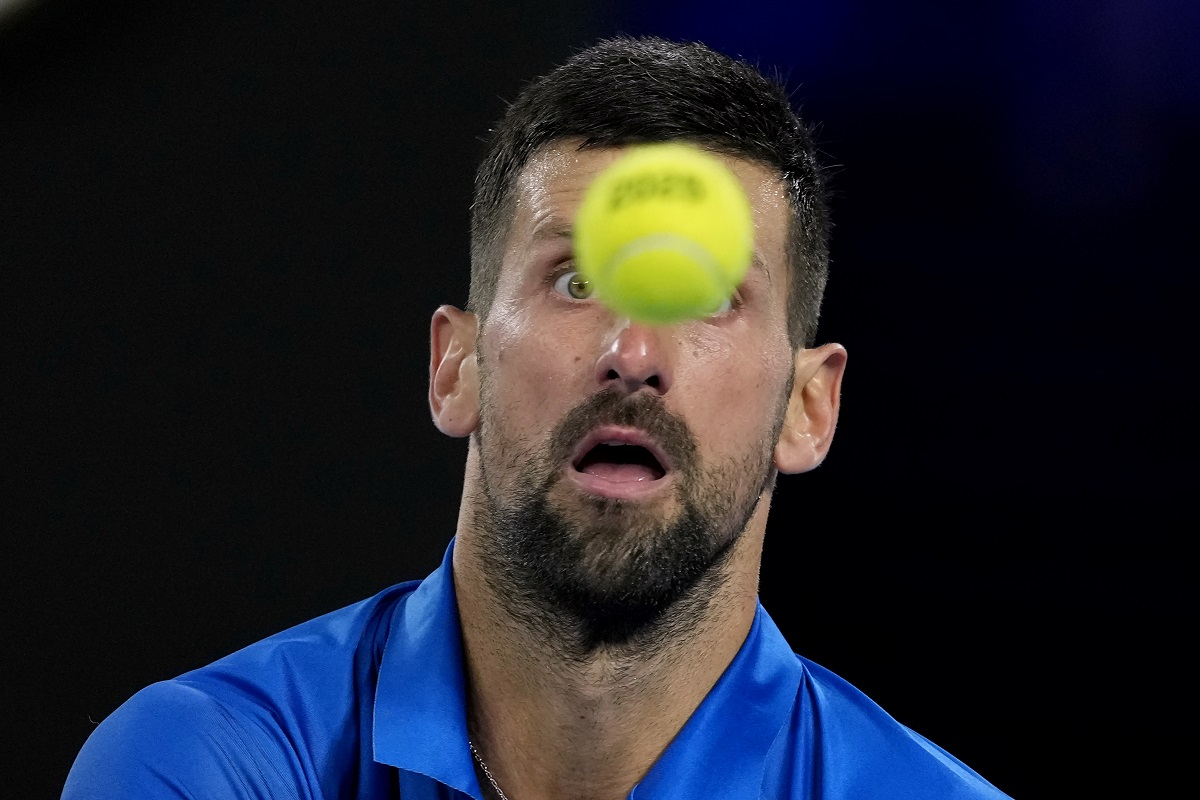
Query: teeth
point(615, 443)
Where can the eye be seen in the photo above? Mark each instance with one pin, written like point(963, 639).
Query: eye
point(573, 285)
point(731, 303)
point(725, 307)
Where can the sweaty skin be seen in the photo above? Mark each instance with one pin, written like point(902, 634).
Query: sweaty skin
point(554, 718)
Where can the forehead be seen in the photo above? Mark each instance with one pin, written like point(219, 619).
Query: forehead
point(551, 187)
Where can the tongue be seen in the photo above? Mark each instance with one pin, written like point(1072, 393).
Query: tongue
point(620, 473)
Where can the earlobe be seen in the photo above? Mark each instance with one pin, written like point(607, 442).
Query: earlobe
point(812, 409)
point(453, 371)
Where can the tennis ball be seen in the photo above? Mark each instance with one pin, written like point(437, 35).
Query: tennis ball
point(664, 234)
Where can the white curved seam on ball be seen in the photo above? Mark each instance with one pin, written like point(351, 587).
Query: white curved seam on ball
point(671, 241)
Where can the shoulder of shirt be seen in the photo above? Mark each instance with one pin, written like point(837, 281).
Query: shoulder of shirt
point(311, 646)
point(171, 740)
point(859, 750)
point(247, 725)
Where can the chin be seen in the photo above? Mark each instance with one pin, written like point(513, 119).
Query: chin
point(612, 569)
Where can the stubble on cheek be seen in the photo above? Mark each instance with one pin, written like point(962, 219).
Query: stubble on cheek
point(522, 395)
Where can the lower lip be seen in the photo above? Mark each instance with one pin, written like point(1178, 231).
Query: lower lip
point(617, 490)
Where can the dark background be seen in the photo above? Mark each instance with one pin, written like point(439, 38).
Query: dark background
point(224, 227)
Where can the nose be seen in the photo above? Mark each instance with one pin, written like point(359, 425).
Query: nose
point(636, 357)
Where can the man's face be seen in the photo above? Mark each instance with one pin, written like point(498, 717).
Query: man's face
point(621, 461)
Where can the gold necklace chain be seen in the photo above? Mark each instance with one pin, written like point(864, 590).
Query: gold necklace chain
point(487, 772)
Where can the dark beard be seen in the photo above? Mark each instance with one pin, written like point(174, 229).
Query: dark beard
point(606, 575)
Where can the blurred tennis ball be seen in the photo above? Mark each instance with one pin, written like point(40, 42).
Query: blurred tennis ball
point(664, 234)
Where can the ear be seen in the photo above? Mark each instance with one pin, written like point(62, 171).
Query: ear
point(453, 371)
point(812, 409)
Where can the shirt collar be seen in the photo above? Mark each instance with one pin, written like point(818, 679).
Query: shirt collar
point(421, 722)
point(420, 698)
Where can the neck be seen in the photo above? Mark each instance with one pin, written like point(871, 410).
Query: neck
point(555, 721)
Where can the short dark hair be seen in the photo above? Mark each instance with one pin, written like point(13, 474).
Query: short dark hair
point(628, 90)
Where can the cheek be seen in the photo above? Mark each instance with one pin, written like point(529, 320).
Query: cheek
point(529, 369)
point(736, 391)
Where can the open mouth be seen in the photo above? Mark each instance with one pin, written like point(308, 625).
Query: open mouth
point(620, 456)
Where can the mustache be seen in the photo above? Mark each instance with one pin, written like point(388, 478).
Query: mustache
point(613, 407)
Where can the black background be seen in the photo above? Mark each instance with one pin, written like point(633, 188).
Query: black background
point(224, 227)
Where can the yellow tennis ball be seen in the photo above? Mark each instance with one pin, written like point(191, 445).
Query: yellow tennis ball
point(664, 234)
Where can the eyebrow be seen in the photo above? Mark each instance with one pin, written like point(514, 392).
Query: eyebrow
point(553, 230)
point(756, 262)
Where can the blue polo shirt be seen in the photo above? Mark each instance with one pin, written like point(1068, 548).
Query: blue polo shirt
point(368, 703)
